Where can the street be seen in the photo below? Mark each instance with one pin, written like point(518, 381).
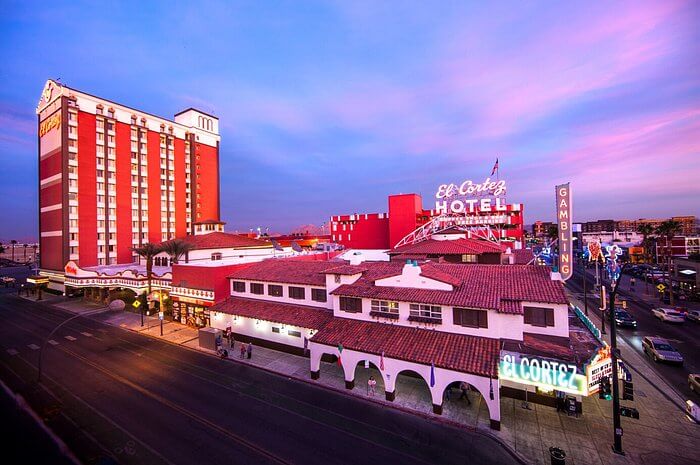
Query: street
point(113, 394)
point(684, 337)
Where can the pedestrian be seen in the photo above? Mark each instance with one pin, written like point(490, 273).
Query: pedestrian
point(464, 387)
point(371, 386)
point(231, 340)
point(250, 349)
point(242, 350)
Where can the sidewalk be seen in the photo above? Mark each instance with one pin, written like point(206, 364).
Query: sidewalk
point(661, 436)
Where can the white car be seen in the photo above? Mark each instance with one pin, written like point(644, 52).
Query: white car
point(694, 382)
point(668, 315)
point(693, 315)
point(660, 350)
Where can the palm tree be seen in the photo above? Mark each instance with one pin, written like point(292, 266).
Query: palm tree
point(2, 248)
point(646, 230)
point(25, 251)
point(668, 230)
point(148, 251)
point(176, 249)
point(34, 247)
point(13, 242)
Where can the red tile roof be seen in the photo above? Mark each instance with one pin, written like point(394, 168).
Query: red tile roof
point(219, 240)
point(288, 314)
point(449, 247)
point(287, 271)
point(523, 256)
point(479, 286)
point(458, 352)
point(346, 270)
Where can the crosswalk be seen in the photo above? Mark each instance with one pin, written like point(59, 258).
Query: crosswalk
point(34, 347)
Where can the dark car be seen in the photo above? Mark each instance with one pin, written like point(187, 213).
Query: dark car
point(624, 319)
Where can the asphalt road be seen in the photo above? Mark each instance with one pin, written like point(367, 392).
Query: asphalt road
point(684, 337)
point(114, 395)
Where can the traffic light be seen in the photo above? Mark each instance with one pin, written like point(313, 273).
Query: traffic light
point(629, 412)
point(605, 390)
point(627, 390)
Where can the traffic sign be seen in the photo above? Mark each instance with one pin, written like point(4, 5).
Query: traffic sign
point(136, 304)
point(661, 287)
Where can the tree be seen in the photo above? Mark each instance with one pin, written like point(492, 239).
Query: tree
point(2, 248)
point(34, 247)
point(176, 249)
point(13, 242)
point(25, 251)
point(552, 232)
point(148, 251)
point(668, 230)
point(646, 230)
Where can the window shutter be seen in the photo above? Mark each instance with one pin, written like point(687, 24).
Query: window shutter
point(528, 316)
point(549, 316)
point(457, 316)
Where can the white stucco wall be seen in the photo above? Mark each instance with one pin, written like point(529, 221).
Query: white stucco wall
point(285, 299)
point(260, 329)
point(410, 277)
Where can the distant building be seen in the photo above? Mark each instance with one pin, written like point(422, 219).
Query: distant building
point(540, 229)
point(680, 247)
point(598, 226)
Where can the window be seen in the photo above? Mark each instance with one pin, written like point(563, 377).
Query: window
point(274, 290)
point(468, 258)
point(294, 333)
point(275, 329)
point(216, 256)
point(257, 288)
point(539, 316)
point(297, 293)
point(318, 295)
point(470, 317)
point(336, 278)
point(350, 304)
point(425, 313)
point(238, 286)
point(385, 308)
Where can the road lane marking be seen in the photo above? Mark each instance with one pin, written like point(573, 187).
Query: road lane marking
point(85, 333)
point(70, 338)
point(52, 342)
point(12, 351)
point(33, 346)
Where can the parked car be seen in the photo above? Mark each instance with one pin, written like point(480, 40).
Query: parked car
point(693, 315)
point(659, 349)
point(624, 319)
point(694, 382)
point(668, 314)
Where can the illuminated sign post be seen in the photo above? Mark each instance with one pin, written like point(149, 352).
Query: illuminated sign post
point(545, 374)
point(566, 242)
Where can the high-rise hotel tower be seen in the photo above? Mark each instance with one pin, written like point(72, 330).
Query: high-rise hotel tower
point(112, 178)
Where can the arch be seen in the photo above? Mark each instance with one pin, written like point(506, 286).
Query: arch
point(411, 380)
point(361, 376)
point(486, 387)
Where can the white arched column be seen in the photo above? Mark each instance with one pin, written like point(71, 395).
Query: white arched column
point(486, 387)
point(316, 352)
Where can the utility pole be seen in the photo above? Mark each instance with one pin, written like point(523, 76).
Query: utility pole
point(602, 309)
point(585, 289)
point(615, 353)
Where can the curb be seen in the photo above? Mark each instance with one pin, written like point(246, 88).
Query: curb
point(435, 419)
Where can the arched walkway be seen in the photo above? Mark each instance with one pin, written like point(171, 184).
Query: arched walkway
point(362, 373)
point(412, 390)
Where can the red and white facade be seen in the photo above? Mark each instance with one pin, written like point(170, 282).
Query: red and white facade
point(446, 322)
point(112, 177)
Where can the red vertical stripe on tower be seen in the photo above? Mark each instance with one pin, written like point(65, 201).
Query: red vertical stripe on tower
point(123, 138)
point(154, 215)
point(180, 195)
point(207, 179)
point(87, 190)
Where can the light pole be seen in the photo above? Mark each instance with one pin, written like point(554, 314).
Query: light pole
point(43, 344)
point(614, 352)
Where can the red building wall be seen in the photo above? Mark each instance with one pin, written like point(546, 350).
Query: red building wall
point(366, 231)
point(153, 147)
point(206, 278)
point(123, 139)
point(206, 177)
point(403, 209)
point(87, 190)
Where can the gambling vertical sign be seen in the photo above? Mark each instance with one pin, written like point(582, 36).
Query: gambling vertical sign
point(566, 242)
